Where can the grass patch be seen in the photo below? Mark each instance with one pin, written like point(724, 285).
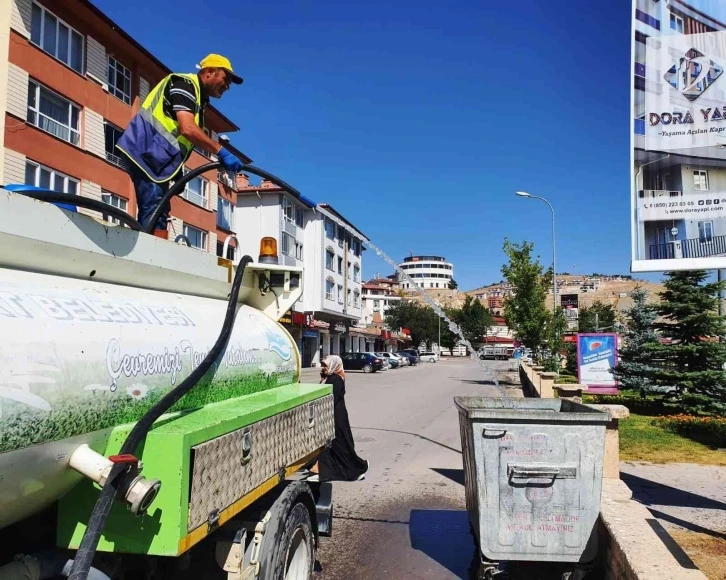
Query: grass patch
point(640, 440)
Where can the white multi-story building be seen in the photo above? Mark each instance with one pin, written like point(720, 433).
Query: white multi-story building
point(328, 247)
point(379, 295)
point(427, 272)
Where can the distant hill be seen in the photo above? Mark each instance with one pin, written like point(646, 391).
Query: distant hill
point(609, 290)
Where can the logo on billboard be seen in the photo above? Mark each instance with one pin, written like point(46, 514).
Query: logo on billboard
point(693, 74)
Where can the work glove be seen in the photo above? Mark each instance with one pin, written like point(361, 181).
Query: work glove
point(229, 161)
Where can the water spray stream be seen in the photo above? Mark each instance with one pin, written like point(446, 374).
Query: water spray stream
point(453, 327)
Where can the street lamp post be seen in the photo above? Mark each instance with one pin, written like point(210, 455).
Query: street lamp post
point(554, 271)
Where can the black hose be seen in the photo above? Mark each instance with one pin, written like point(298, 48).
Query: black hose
point(179, 186)
point(92, 535)
point(80, 201)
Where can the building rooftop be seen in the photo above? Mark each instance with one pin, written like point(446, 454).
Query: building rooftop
point(425, 259)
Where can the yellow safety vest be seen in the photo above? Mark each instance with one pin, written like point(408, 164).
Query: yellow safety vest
point(152, 140)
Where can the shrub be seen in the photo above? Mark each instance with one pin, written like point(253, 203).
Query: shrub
point(708, 430)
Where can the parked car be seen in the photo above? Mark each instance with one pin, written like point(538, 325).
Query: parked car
point(412, 358)
point(392, 360)
point(362, 361)
point(404, 359)
point(429, 356)
point(412, 352)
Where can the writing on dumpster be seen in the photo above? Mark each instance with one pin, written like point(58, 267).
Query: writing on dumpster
point(553, 523)
point(527, 446)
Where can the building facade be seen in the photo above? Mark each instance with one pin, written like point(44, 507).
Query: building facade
point(427, 272)
point(330, 249)
point(70, 82)
point(379, 295)
point(662, 178)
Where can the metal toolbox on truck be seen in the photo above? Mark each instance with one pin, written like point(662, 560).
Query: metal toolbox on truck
point(533, 476)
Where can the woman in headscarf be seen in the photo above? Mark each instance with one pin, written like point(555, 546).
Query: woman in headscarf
point(339, 462)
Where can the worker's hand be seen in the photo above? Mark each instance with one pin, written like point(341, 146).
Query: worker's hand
point(229, 161)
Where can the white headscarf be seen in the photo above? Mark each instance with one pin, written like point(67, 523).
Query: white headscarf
point(335, 365)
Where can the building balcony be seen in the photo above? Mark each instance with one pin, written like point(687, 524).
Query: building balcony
point(659, 193)
point(693, 248)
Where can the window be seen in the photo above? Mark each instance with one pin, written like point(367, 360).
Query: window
point(299, 217)
point(288, 244)
point(647, 19)
point(112, 136)
point(677, 23)
point(376, 303)
point(329, 257)
point(52, 113)
point(329, 229)
point(207, 154)
point(56, 38)
point(356, 247)
point(288, 209)
point(115, 201)
point(356, 299)
point(348, 271)
point(341, 236)
point(349, 297)
point(41, 176)
point(196, 190)
point(340, 294)
point(705, 232)
point(119, 80)
point(225, 214)
point(329, 286)
point(298, 250)
point(197, 238)
point(700, 180)
point(356, 273)
point(340, 265)
point(230, 251)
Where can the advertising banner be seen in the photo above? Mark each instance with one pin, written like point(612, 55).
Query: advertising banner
point(597, 354)
point(678, 179)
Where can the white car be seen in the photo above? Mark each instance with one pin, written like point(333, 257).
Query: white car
point(429, 356)
point(387, 356)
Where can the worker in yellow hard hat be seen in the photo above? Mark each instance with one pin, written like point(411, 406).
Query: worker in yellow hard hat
point(170, 123)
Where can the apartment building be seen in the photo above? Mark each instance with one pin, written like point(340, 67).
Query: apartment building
point(70, 82)
point(669, 173)
point(328, 247)
point(379, 294)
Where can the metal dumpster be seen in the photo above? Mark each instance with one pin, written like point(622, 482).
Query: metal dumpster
point(533, 476)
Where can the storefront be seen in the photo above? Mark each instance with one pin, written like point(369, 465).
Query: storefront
point(302, 328)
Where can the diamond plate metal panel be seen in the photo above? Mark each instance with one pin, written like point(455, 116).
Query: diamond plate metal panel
point(220, 473)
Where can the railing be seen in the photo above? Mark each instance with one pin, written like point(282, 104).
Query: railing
point(693, 248)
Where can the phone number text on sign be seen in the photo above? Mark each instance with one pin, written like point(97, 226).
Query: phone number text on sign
point(683, 208)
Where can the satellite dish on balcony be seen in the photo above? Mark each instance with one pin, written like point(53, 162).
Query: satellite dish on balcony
point(674, 231)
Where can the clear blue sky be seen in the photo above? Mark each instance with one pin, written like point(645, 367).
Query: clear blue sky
point(419, 120)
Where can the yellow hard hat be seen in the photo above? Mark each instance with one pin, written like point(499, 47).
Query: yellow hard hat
point(219, 61)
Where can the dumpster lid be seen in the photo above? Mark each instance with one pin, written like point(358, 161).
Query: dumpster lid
point(530, 409)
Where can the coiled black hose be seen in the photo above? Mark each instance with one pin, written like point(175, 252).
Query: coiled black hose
point(179, 186)
point(77, 200)
point(92, 535)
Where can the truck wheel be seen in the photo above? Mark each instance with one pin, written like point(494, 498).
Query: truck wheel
point(288, 550)
point(367, 369)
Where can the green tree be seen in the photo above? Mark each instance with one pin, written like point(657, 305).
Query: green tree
point(556, 327)
point(525, 310)
point(420, 320)
point(453, 284)
point(597, 316)
point(635, 369)
point(473, 319)
point(691, 360)
point(448, 338)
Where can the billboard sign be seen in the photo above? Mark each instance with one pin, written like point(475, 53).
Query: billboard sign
point(597, 354)
point(678, 100)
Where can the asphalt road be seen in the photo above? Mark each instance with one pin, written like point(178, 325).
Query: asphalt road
point(408, 518)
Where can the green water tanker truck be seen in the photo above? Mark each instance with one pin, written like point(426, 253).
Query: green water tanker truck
point(151, 420)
